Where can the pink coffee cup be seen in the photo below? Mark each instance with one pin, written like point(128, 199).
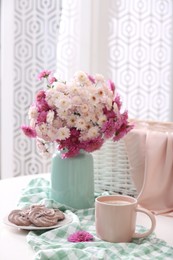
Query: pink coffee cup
point(115, 218)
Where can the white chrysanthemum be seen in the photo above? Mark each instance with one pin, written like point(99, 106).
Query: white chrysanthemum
point(115, 108)
point(41, 131)
point(42, 128)
point(91, 89)
point(102, 120)
point(50, 117)
point(33, 112)
point(52, 96)
point(84, 108)
point(94, 99)
point(63, 114)
point(61, 87)
point(108, 92)
point(99, 109)
point(81, 76)
point(57, 123)
point(63, 133)
point(42, 148)
point(89, 125)
point(100, 92)
point(52, 133)
point(93, 132)
point(74, 89)
point(71, 121)
point(99, 77)
point(80, 124)
point(88, 118)
point(93, 118)
point(76, 101)
point(107, 101)
point(63, 103)
point(89, 84)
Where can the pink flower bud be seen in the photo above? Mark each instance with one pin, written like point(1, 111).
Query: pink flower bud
point(51, 80)
point(44, 74)
point(111, 85)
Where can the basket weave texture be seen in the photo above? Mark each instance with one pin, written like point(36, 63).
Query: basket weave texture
point(112, 169)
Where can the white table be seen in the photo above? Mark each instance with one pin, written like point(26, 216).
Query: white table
point(13, 244)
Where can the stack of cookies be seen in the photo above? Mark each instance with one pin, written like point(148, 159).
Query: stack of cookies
point(37, 215)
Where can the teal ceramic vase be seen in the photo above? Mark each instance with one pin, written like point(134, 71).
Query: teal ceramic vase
point(72, 180)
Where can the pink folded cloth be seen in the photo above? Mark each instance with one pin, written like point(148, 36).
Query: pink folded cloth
point(150, 151)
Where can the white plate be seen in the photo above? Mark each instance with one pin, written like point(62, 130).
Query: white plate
point(60, 223)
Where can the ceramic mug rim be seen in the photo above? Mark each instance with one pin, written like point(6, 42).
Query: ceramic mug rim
point(104, 200)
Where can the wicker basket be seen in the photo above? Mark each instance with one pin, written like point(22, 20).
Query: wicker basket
point(112, 169)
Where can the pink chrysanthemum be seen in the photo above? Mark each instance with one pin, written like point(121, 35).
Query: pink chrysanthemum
point(44, 74)
point(29, 131)
point(109, 128)
point(109, 113)
point(42, 117)
point(40, 95)
point(122, 132)
point(118, 101)
point(42, 106)
point(80, 236)
point(93, 144)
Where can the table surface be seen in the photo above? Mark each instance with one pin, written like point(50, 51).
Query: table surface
point(13, 244)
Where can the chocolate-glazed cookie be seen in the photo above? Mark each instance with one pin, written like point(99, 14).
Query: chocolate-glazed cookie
point(19, 217)
point(60, 214)
point(43, 217)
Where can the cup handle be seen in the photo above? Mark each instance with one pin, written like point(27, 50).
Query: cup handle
point(153, 223)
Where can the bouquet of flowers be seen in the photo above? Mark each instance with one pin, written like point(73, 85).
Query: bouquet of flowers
point(78, 114)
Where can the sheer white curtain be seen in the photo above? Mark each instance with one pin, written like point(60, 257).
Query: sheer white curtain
point(127, 41)
point(83, 37)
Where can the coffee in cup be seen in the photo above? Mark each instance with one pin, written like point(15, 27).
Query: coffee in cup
point(115, 218)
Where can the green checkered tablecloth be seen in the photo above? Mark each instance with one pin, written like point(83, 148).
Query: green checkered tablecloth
point(53, 244)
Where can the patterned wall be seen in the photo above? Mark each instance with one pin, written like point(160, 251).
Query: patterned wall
point(35, 42)
point(140, 56)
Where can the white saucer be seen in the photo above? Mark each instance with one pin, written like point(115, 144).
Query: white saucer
point(60, 223)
